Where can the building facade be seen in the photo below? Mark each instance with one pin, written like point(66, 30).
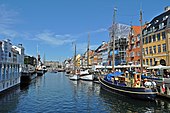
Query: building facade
point(12, 60)
point(133, 50)
point(156, 40)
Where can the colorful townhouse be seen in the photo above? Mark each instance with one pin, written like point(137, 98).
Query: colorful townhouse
point(156, 40)
point(133, 50)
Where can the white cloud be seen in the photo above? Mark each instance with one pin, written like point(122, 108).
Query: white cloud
point(7, 20)
point(7, 16)
point(52, 38)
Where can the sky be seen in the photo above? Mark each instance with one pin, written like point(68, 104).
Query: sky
point(51, 27)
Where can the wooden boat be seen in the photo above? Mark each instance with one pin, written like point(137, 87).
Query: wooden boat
point(129, 84)
point(120, 84)
point(85, 75)
point(74, 77)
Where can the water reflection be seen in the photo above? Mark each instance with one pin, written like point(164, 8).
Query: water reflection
point(120, 103)
point(9, 100)
point(56, 93)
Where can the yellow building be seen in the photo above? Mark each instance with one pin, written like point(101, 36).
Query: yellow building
point(156, 40)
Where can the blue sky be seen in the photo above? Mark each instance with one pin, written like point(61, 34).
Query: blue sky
point(54, 24)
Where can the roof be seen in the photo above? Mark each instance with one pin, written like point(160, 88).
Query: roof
point(136, 30)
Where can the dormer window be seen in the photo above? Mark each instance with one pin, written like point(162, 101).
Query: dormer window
point(156, 21)
point(164, 18)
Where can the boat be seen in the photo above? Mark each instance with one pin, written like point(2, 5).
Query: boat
point(74, 75)
point(39, 71)
point(117, 83)
point(44, 68)
point(28, 74)
point(157, 74)
point(39, 68)
point(84, 74)
point(128, 84)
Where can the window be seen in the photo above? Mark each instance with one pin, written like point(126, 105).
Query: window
point(150, 49)
point(158, 36)
point(159, 48)
point(9, 54)
point(146, 50)
point(154, 49)
point(143, 51)
point(163, 36)
point(138, 37)
point(147, 62)
point(150, 39)
point(144, 62)
point(146, 41)
point(150, 62)
point(154, 38)
point(164, 47)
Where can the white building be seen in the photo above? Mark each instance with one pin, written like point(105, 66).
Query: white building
point(11, 61)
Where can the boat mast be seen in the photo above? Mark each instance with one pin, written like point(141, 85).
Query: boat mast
point(88, 50)
point(141, 43)
point(113, 38)
point(74, 58)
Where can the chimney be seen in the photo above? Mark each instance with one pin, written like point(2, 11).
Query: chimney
point(167, 8)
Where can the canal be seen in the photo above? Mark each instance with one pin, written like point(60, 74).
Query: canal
point(55, 93)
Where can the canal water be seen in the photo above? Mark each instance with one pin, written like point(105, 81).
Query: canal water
point(55, 93)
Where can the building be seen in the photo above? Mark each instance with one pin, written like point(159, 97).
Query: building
point(156, 40)
point(119, 33)
point(12, 60)
point(133, 50)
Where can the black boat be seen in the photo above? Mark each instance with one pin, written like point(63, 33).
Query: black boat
point(112, 83)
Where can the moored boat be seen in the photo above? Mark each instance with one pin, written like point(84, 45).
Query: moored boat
point(115, 83)
point(74, 77)
point(85, 75)
point(39, 71)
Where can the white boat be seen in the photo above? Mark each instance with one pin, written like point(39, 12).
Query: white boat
point(160, 75)
point(40, 72)
point(74, 77)
point(44, 69)
point(85, 75)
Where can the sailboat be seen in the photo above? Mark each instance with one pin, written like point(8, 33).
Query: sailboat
point(74, 75)
point(84, 74)
point(130, 85)
point(39, 69)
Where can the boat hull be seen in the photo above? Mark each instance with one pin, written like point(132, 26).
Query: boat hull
point(139, 93)
point(74, 77)
point(40, 72)
point(26, 77)
point(89, 77)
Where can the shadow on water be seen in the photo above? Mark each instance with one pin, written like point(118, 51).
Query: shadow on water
point(121, 103)
point(9, 99)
